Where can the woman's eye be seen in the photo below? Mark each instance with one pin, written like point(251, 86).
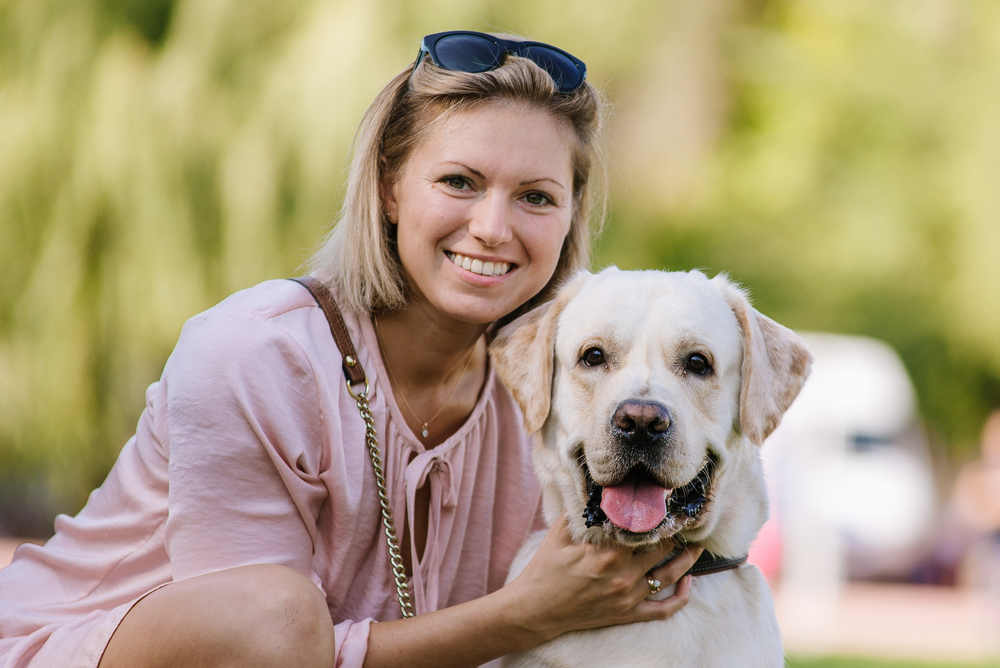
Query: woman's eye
point(697, 364)
point(537, 199)
point(593, 356)
point(457, 182)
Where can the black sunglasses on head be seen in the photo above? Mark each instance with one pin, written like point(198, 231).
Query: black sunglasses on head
point(470, 51)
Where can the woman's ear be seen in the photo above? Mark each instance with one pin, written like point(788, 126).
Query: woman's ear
point(387, 193)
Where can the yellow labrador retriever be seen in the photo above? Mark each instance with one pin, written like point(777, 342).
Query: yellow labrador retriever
point(650, 393)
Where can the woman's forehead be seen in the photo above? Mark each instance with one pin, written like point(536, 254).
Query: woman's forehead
point(500, 134)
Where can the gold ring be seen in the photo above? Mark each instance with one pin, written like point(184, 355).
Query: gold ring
point(654, 585)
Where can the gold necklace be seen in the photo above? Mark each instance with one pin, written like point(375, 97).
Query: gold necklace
point(425, 424)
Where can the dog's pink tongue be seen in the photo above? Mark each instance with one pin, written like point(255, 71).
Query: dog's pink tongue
point(637, 506)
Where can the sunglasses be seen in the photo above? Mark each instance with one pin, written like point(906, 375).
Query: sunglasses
point(470, 51)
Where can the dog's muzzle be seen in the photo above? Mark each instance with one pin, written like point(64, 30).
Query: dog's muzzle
point(652, 505)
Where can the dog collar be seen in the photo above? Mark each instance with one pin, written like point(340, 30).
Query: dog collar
point(709, 563)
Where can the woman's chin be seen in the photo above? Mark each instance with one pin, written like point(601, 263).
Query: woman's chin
point(479, 310)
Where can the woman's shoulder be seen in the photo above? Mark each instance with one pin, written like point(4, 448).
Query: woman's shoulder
point(267, 322)
point(263, 302)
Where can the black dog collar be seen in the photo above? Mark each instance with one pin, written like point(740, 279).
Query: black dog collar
point(708, 563)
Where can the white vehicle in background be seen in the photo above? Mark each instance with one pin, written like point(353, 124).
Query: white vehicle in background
point(850, 475)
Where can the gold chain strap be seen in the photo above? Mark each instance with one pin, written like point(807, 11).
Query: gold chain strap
point(352, 370)
point(395, 556)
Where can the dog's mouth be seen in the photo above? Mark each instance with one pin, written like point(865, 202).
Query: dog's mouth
point(640, 504)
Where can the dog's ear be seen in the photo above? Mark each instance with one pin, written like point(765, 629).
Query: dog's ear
point(776, 364)
point(523, 353)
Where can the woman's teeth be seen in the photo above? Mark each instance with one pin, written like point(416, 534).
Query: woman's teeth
point(478, 266)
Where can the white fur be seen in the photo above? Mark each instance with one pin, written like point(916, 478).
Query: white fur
point(647, 323)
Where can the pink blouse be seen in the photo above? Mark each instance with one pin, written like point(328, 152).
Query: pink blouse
point(250, 451)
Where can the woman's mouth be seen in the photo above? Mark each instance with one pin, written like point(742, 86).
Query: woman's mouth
point(477, 266)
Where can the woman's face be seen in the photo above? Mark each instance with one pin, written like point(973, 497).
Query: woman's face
point(482, 206)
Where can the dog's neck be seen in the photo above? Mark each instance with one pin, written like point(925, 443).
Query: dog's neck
point(741, 513)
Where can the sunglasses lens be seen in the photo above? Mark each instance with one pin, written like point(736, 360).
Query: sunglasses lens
point(466, 53)
point(564, 71)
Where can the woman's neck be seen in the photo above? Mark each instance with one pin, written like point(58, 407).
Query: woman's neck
point(421, 349)
point(436, 366)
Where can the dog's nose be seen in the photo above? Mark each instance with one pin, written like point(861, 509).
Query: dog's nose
point(635, 419)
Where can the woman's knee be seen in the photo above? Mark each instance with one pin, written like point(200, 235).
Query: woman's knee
point(262, 615)
point(295, 618)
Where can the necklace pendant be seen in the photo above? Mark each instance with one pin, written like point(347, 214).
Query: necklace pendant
point(424, 431)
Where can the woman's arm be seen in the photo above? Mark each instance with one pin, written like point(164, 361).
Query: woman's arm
point(566, 587)
point(243, 438)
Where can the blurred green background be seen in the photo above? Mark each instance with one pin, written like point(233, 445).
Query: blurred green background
point(868, 662)
point(838, 158)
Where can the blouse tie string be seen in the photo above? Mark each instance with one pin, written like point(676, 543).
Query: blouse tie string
point(436, 472)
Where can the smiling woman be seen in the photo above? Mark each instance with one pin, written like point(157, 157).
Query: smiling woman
point(247, 496)
point(489, 186)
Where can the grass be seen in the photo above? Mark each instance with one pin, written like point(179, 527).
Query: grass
point(866, 662)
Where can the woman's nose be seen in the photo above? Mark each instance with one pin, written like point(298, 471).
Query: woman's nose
point(489, 222)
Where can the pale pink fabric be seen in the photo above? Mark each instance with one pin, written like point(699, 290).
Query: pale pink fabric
point(250, 451)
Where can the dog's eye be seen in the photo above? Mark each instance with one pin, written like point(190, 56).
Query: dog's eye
point(593, 356)
point(697, 364)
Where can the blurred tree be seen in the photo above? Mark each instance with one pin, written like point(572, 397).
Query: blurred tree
point(846, 184)
point(157, 155)
point(151, 18)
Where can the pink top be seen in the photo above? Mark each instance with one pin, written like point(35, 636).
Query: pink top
point(251, 451)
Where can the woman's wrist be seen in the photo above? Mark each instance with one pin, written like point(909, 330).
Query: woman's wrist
point(516, 620)
point(521, 619)
point(469, 633)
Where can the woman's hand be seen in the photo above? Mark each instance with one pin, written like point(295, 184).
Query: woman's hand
point(567, 586)
point(571, 586)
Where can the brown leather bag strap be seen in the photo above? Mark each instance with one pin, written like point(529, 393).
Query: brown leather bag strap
point(356, 376)
point(338, 328)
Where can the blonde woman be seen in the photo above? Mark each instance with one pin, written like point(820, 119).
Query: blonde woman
point(241, 524)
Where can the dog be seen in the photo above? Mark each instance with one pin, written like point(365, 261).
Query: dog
point(649, 394)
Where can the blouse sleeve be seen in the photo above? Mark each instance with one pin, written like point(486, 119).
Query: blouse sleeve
point(245, 439)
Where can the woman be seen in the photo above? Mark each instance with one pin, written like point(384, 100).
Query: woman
point(240, 525)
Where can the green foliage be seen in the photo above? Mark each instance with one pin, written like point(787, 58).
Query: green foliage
point(851, 189)
point(155, 156)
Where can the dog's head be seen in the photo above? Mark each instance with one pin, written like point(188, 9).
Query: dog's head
point(650, 392)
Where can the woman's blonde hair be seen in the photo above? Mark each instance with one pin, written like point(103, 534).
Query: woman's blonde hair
point(359, 255)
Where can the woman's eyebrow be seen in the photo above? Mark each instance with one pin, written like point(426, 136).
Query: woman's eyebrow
point(543, 178)
point(478, 173)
